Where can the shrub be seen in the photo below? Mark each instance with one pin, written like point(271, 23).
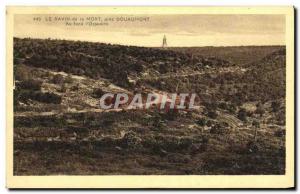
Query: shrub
point(210, 105)
point(260, 111)
point(62, 88)
point(21, 73)
point(219, 129)
point(75, 88)
point(58, 79)
point(231, 108)
point(69, 79)
point(172, 114)
point(22, 95)
point(275, 106)
point(223, 105)
point(212, 114)
point(256, 124)
point(242, 115)
point(131, 140)
point(164, 68)
point(48, 98)
point(252, 147)
point(280, 117)
point(98, 93)
point(279, 133)
point(209, 123)
point(25, 95)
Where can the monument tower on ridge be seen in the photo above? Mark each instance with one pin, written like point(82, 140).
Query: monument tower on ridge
point(164, 43)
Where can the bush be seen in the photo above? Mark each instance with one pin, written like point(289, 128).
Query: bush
point(25, 95)
point(38, 121)
point(255, 124)
point(48, 98)
point(231, 108)
point(211, 105)
point(223, 105)
point(259, 109)
point(275, 106)
point(131, 140)
point(31, 84)
point(98, 93)
point(219, 129)
point(201, 122)
point(252, 147)
point(172, 114)
point(69, 79)
point(22, 95)
point(21, 73)
point(164, 68)
point(212, 114)
point(280, 117)
point(75, 88)
point(242, 115)
point(209, 123)
point(158, 123)
point(279, 133)
point(58, 79)
point(62, 88)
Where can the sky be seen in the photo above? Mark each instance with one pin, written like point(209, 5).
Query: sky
point(148, 30)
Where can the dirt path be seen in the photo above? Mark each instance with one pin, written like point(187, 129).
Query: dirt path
point(227, 70)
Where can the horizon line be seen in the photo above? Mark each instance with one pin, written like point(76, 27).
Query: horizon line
point(78, 40)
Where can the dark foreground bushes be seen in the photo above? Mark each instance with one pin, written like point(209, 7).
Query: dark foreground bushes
point(25, 95)
point(174, 144)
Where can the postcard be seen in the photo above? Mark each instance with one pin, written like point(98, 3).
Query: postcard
point(150, 97)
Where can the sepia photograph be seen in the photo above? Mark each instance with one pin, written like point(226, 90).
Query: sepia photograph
point(162, 92)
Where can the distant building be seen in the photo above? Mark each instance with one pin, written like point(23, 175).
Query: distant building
point(164, 43)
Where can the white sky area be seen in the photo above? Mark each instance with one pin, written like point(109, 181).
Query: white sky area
point(180, 30)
